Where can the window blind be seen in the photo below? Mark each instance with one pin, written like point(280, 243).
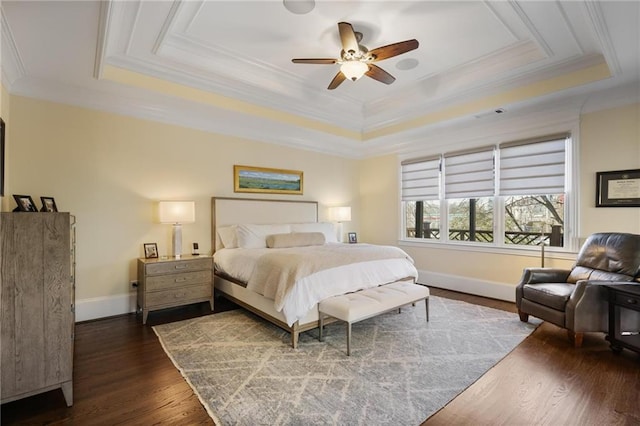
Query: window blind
point(530, 168)
point(421, 179)
point(469, 174)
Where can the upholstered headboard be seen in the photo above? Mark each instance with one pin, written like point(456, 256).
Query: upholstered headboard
point(227, 211)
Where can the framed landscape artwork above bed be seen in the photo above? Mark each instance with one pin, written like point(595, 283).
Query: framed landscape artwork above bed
point(265, 180)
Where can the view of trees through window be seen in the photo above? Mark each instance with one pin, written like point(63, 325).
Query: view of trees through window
point(528, 219)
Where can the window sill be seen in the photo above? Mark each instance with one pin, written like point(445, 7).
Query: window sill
point(527, 251)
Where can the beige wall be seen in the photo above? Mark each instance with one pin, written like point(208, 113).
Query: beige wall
point(109, 171)
point(608, 140)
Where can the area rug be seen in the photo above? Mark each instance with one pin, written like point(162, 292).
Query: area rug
point(402, 369)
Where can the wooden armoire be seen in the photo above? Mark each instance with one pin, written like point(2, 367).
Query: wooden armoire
point(38, 297)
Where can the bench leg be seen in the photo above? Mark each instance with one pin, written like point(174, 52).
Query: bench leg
point(426, 303)
point(320, 325)
point(348, 338)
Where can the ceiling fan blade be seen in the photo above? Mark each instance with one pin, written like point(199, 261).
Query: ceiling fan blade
point(377, 73)
point(348, 37)
point(394, 49)
point(339, 78)
point(314, 61)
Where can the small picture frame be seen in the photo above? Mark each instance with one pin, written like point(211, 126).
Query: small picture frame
point(353, 237)
point(25, 203)
point(150, 251)
point(48, 204)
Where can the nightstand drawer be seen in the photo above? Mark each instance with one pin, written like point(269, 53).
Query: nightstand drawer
point(627, 300)
point(163, 282)
point(178, 296)
point(177, 266)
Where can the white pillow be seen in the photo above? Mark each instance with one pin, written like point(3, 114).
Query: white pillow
point(327, 228)
point(228, 236)
point(254, 236)
point(295, 239)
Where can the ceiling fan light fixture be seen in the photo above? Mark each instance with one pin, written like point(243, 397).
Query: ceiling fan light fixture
point(353, 70)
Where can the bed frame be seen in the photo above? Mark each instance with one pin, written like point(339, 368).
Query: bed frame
point(231, 211)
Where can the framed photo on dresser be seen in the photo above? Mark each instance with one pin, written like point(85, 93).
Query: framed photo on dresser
point(48, 204)
point(25, 203)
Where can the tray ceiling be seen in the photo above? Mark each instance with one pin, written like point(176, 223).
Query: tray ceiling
point(225, 66)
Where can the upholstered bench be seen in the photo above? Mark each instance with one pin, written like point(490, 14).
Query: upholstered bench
point(363, 304)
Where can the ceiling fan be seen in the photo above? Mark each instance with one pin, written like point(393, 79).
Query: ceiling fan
point(356, 60)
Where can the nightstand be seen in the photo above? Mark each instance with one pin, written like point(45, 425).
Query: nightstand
point(623, 297)
point(169, 282)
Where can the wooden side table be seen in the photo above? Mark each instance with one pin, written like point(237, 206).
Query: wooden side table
point(625, 296)
point(169, 282)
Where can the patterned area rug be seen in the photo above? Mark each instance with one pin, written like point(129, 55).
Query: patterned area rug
point(401, 369)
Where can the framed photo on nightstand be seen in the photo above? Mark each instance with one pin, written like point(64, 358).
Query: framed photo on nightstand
point(353, 238)
point(150, 251)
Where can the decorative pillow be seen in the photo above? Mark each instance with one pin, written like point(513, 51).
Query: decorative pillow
point(228, 236)
point(295, 239)
point(254, 236)
point(327, 228)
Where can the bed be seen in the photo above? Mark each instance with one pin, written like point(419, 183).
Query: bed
point(302, 264)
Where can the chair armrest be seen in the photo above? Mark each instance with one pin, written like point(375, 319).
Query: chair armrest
point(540, 275)
point(587, 308)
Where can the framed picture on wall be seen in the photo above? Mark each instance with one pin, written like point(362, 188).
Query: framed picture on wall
point(619, 188)
point(270, 181)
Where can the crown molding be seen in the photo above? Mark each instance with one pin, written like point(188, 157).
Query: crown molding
point(13, 67)
point(594, 12)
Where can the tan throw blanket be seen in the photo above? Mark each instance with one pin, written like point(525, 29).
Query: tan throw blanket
point(276, 273)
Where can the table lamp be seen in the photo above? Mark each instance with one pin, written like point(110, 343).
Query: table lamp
point(177, 213)
point(340, 214)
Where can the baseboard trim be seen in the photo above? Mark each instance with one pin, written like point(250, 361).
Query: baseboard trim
point(107, 306)
point(494, 290)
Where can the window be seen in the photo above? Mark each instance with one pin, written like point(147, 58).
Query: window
point(507, 195)
point(469, 185)
point(421, 197)
point(532, 180)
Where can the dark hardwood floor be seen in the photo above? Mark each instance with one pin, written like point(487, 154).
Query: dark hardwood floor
point(123, 377)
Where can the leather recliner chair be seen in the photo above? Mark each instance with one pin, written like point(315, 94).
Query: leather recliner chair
point(576, 299)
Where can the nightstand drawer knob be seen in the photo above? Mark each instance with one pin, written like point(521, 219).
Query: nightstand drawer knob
point(180, 280)
point(632, 301)
point(178, 296)
point(181, 266)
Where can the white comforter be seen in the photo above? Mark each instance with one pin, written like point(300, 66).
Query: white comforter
point(330, 278)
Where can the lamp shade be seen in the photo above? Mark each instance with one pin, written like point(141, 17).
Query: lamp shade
point(177, 211)
point(353, 70)
point(340, 214)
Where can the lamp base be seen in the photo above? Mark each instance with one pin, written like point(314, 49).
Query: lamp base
point(177, 240)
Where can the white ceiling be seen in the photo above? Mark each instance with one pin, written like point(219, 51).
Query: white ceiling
point(225, 66)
